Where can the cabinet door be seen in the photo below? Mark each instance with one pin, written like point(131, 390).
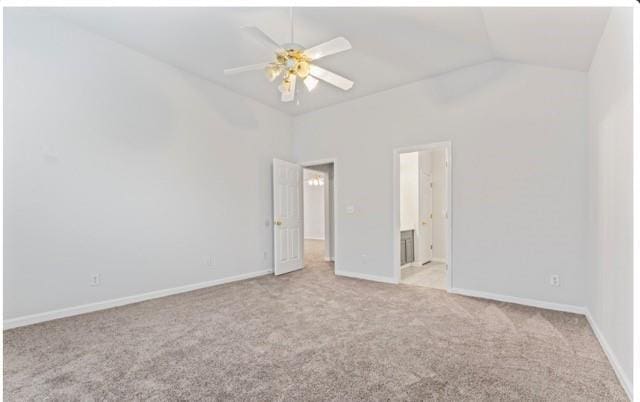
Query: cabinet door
point(410, 248)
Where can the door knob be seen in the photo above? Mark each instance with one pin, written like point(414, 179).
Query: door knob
point(278, 223)
point(424, 223)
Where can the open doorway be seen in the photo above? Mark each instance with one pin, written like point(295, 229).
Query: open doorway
point(423, 216)
point(318, 196)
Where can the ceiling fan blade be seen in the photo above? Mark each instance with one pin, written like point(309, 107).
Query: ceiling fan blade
point(259, 35)
point(289, 96)
point(250, 67)
point(331, 78)
point(310, 82)
point(333, 46)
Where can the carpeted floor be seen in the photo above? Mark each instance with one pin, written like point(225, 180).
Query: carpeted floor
point(309, 335)
point(314, 253)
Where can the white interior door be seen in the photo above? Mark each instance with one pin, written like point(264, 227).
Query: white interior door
point(288, 220)
point(425, 248)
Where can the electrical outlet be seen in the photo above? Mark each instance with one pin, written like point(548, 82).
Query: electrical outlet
point(265, 255)
point(209, 261)
point(363, 258)
point(95, 280)
point(554, 280)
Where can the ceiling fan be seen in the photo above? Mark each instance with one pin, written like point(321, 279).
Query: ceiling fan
point(293, 62)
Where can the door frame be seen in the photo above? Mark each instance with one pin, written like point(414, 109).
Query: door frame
point(396, 206)
point(334, 161)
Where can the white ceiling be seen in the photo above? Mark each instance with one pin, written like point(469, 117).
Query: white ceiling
point(560, 37)
point(391, 46)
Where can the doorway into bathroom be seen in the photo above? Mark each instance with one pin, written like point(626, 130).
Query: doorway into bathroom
point(424, 209)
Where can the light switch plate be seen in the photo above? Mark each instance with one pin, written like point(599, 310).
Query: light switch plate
point(351, 209)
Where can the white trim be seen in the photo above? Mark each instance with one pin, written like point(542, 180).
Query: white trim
point(635, 320)
point(324, 161)
point(439, 260)
point(375, 278)
point(396, 206)
point(106, 304)
point(314, 238)
point(622, 377)
point(569, 308)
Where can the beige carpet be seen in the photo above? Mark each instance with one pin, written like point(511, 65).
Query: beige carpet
point(310, 335)
point(314, 253)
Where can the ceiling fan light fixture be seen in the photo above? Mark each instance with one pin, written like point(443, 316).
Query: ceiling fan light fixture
point(302, 69)
point(272, 71)
point(291, 64)
point(316, 181)
point(285, 85)
point(281, 58)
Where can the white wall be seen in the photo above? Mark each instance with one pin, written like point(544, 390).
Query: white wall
point(610, 278)
point(409, 203)
point(438, 176)
point(518, 137)
point(117, 164)
point(314, 207)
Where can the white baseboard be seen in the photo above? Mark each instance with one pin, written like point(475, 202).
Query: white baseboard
point(569, 308)
point(314, 238)
point(440, 260)
point(367, 277)
point(328, 258)
point(622, 377)
point(103, 305)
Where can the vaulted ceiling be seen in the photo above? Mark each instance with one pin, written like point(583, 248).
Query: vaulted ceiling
point(391, 46)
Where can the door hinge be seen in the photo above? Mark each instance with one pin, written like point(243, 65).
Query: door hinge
point(430, 216)
point(431, 247)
